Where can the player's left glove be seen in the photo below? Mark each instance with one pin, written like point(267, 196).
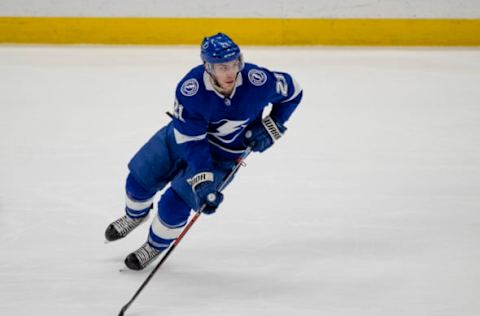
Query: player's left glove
point(205, 191)
point(262, 135)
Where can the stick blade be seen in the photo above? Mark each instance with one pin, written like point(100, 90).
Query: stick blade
point(122, 311)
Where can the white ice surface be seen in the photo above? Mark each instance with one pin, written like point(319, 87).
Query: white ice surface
point(370, 205)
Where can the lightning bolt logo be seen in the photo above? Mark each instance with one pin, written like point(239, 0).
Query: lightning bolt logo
point(227, 131)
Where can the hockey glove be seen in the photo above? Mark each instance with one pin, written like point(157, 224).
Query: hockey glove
point(205, 192)
point(263, 134)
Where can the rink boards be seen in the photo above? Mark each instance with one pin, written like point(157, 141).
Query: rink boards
point(247, 31)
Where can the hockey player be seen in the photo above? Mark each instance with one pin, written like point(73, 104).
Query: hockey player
point(217, 115)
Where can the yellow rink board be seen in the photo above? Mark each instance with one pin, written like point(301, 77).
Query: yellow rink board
point(250, 31)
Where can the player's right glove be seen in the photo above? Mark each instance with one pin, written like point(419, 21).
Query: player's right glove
point(205, 192)
point(263, 134)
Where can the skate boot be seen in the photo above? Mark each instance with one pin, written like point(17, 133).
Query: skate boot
point(122, 227)
point(140, 258)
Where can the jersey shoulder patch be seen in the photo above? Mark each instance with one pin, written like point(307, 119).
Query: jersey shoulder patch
point(257, 77)
point(189, 87)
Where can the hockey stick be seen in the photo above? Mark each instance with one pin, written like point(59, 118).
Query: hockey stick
point(226, 180)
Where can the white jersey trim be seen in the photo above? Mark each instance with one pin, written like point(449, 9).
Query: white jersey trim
point(182, 138)
point(297, 89)
point(232, 151)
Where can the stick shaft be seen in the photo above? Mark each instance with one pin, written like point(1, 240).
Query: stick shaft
point(222, 186)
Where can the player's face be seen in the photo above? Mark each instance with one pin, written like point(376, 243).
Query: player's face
point(226, 73)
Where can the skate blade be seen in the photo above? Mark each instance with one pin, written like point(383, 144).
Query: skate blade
point(126, 270)
point(130, 271)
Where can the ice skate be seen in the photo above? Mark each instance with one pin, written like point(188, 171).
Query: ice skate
point(140, 258)
point(122, 227)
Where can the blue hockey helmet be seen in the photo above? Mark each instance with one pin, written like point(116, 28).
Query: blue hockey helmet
point(220, 48)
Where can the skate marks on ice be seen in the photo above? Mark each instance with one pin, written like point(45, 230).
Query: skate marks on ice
point(378, 216)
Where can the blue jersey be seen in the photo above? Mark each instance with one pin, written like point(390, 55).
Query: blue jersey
point(210, 126)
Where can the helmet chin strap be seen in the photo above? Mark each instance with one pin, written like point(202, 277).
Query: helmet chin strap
point(217, 86)
point(213, 80)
